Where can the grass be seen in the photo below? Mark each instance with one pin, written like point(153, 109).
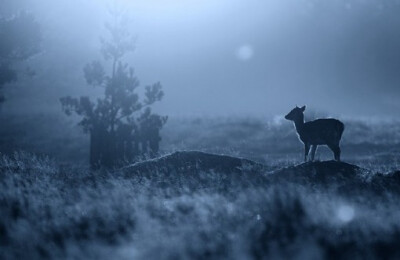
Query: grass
point(270, 141)
point(55, 208)
point(48, 212)
point(373, 144)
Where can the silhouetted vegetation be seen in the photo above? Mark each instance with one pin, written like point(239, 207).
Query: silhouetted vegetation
point(121, 126)
point(191, 205)
point(20, 39)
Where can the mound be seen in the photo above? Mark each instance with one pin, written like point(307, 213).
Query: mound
point(321, 172)
point(206, 169)
point(328, 175)
point(343, 177)
point(187, 162)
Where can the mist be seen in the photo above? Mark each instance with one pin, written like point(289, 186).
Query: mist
point(188, 129)
point(226, 58)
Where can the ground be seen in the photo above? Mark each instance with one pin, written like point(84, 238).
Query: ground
point(196, 205)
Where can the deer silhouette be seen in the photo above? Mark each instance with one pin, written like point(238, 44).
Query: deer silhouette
point(318, 132)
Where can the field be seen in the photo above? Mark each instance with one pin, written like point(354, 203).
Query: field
point(196, 205)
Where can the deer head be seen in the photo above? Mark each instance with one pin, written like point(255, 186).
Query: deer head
point(296, 114)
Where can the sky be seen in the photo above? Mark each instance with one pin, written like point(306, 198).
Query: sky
point(229, 57)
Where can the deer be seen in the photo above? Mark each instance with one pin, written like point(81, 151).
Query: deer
point(326, 131)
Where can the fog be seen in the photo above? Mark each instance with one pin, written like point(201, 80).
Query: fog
point(226, 57)
point(201, 159)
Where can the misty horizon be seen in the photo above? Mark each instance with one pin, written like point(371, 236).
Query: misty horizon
point(250, 58)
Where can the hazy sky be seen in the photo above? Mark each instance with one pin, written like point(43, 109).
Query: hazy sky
point(233, 57)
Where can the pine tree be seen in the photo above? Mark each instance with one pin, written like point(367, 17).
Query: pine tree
point(121, 125)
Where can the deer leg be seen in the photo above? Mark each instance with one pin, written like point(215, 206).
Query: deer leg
point(313, 150)
point(336, 151)
point(337, 154)
point(306, 151)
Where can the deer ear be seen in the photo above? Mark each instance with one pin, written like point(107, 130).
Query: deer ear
point(303, 108)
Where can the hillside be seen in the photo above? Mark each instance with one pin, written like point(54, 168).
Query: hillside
point(195, 205)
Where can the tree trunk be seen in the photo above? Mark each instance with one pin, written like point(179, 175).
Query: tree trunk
point(95, 158)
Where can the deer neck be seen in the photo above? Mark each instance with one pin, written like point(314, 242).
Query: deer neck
point(299, 124)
